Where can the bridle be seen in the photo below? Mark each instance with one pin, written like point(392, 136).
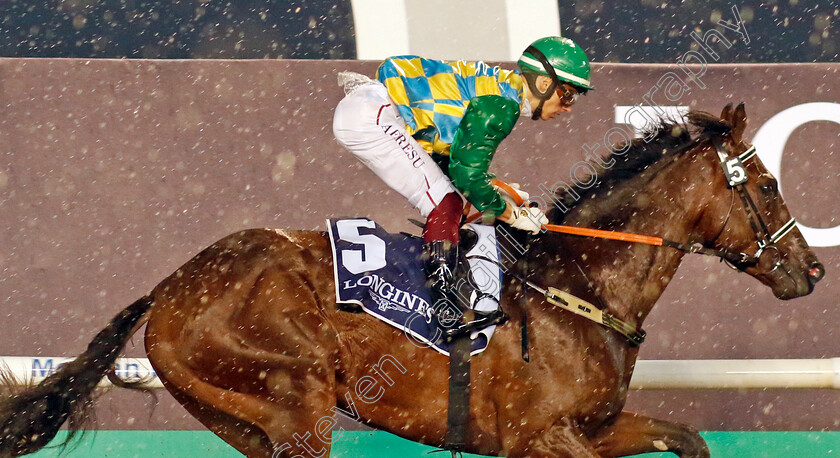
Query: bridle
point(736, 176)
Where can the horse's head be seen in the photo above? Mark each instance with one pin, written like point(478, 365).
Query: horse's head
point(752, 222)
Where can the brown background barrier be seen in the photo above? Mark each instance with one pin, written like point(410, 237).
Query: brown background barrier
point(115, 172)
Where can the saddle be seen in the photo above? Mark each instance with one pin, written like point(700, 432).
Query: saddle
point(381, 273)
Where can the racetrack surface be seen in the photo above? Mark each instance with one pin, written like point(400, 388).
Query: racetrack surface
point(375, 444)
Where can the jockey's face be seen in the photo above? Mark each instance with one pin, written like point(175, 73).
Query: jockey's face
point(560, 102)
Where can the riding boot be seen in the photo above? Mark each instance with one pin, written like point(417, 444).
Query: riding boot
point(450, 305)
point(440, 257)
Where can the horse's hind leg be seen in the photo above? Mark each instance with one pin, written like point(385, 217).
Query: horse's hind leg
point(300, 374)
point(295, 421)
point(248, 438)
point(633, 434)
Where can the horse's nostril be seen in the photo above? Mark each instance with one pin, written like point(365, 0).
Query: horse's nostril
point(817, 272)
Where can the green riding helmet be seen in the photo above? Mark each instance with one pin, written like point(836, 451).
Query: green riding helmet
point(562, 55)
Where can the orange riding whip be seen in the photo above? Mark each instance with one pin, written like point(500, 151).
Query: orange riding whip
point(623, 236)
point(734, 258)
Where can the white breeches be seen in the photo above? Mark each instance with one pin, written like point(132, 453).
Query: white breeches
point(368, 124)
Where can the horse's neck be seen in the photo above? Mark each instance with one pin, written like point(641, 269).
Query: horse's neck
point(629, 277)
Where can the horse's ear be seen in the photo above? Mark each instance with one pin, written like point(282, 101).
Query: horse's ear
point(726, 114)
point(739, 122)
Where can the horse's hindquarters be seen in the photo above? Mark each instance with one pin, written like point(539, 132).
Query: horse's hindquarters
point(239, 337)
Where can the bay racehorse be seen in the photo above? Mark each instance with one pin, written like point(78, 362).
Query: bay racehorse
point(248, 337)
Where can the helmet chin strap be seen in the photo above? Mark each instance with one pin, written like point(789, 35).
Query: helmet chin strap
point(531, 79)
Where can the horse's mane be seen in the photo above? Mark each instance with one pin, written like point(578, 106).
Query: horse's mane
point(668, 139)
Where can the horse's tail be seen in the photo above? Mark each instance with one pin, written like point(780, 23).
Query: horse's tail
point(30, 419)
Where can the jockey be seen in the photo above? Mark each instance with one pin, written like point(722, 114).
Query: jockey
point(430, 128)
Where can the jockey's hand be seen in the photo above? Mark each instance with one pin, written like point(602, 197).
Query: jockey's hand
point(524, 218)
point(522, 194)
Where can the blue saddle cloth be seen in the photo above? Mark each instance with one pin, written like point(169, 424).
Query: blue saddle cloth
point(383, 273)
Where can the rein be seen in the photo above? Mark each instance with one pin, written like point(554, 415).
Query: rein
point(735, 259)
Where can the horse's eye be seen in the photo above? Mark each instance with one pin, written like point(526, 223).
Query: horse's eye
point(771, 187)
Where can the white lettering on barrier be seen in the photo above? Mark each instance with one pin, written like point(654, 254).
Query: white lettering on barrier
point(770, 143)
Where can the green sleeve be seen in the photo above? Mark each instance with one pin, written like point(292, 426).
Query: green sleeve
point(486, 122)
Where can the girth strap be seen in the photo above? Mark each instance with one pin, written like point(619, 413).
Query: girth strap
point(458, 412)
point(459, 394)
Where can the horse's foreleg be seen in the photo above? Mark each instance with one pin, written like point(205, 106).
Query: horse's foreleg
point(561, 440)
point(632, 434)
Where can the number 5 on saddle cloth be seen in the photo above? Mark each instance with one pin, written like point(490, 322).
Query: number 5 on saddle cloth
point(382, 273)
